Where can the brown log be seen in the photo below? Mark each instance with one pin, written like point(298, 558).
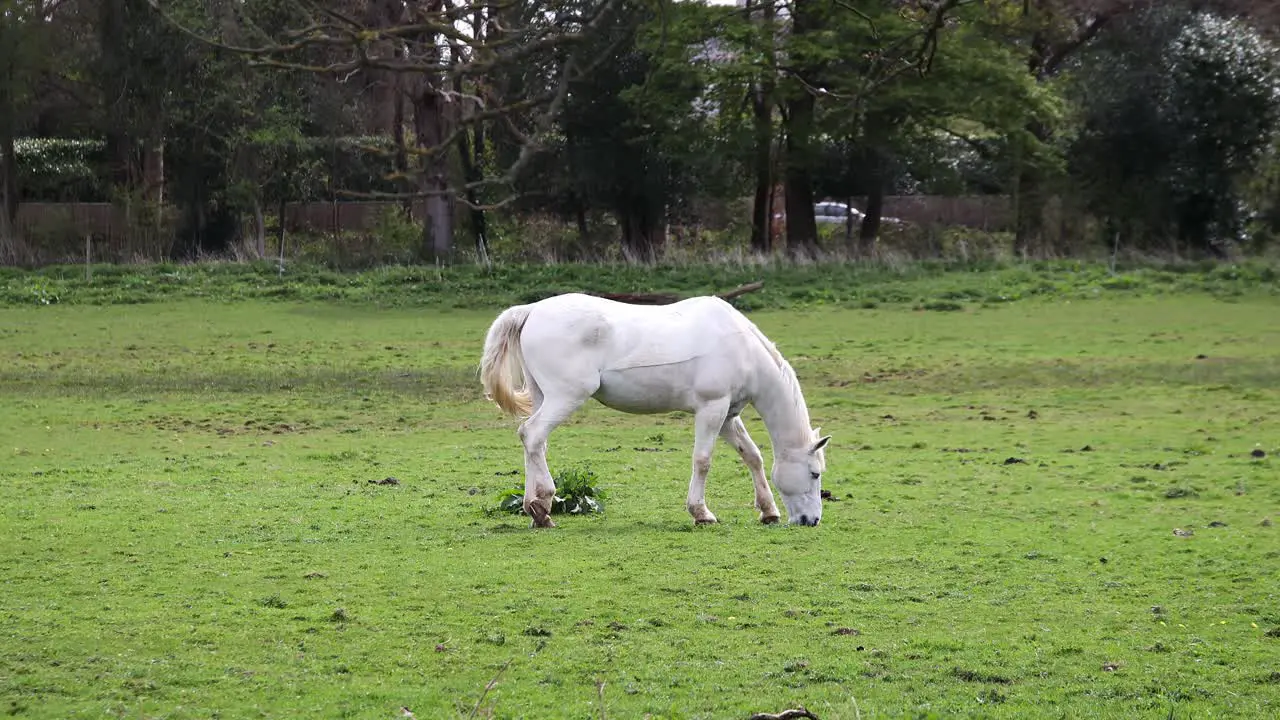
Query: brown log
point(668, 298)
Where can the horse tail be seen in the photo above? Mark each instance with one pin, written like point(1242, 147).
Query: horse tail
point(502, 363)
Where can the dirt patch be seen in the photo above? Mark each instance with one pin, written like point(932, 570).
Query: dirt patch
point(226, 427)
point(980, 677)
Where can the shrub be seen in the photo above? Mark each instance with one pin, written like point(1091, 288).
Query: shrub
point(60, 169)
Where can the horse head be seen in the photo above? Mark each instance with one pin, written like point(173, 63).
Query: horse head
point(797, 473)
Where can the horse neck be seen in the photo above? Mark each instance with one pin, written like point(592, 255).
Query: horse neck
point(781, 406)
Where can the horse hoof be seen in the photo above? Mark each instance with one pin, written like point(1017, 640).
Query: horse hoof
point(769, 519)
point(705, 521)
point(542, 523)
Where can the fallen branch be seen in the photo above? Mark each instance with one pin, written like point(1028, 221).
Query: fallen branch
point(741, 290)
point(785, 715)
point(641, 298)
point(487, 688)
point(668, 298)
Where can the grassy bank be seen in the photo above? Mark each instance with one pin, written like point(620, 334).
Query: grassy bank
point(787, 285)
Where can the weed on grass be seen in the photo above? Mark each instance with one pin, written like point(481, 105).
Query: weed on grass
point(576, 494)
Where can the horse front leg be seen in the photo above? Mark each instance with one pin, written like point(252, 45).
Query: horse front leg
point(734, 432)
point(707, 422)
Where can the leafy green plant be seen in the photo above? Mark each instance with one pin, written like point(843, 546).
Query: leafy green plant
point(576, 494)
point(43, 292)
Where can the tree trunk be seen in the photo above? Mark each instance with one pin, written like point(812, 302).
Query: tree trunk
point(628, 225)
point(280, 231)
point(802, 229)
point(874, 212)
point(580, 214)
point(401, 158)
point(641, 230)
point(875, 141)
point(762, 98)
point(870, 230)
point(186, 243)
point(848, 226)
point(10, 243)
point(761, 227)
point(259, 229)
point(437, 228)
point(382, 84)
point(1029, 197)
point(153, 170)
point(430, 117)
point(113, 72)
point(472, 158)
point(437, 235)
point(122, 167)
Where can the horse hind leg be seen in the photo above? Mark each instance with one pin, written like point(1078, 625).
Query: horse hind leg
point(539, 487)
point(734, 432)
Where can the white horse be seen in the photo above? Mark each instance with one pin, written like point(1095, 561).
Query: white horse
point(700, 355)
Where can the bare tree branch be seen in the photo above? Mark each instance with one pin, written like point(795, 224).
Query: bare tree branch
point(1056, 55)
point(439, 45)
point(875, 33)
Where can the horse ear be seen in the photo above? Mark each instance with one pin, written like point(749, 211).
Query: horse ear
point(819, 445)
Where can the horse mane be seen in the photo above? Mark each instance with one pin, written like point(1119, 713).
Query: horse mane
point(788, 372)
point(769, 346)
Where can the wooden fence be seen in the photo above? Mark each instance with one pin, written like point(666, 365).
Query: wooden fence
point(983, 212)
point(57, 231)
point(106, 221)
point(334, 217)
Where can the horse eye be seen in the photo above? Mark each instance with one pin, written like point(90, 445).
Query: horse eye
point(816, 475)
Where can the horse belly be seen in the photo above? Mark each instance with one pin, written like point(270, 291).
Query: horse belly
point(644, 390)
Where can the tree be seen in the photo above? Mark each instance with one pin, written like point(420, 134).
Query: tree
point(1053, 32)
point(841, 54)
point(25, 30)
point(1177, 114)
point(762, 89)
point(445, 54)
point(272, 162)
point(635, 137)
point(1224, 104)
point(639, 132)
point(974, 87)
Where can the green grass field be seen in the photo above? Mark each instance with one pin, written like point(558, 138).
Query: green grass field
point(192, 526)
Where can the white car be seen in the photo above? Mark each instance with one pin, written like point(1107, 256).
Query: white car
point(838, 212)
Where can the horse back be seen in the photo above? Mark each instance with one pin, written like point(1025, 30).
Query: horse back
point(620, 336)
